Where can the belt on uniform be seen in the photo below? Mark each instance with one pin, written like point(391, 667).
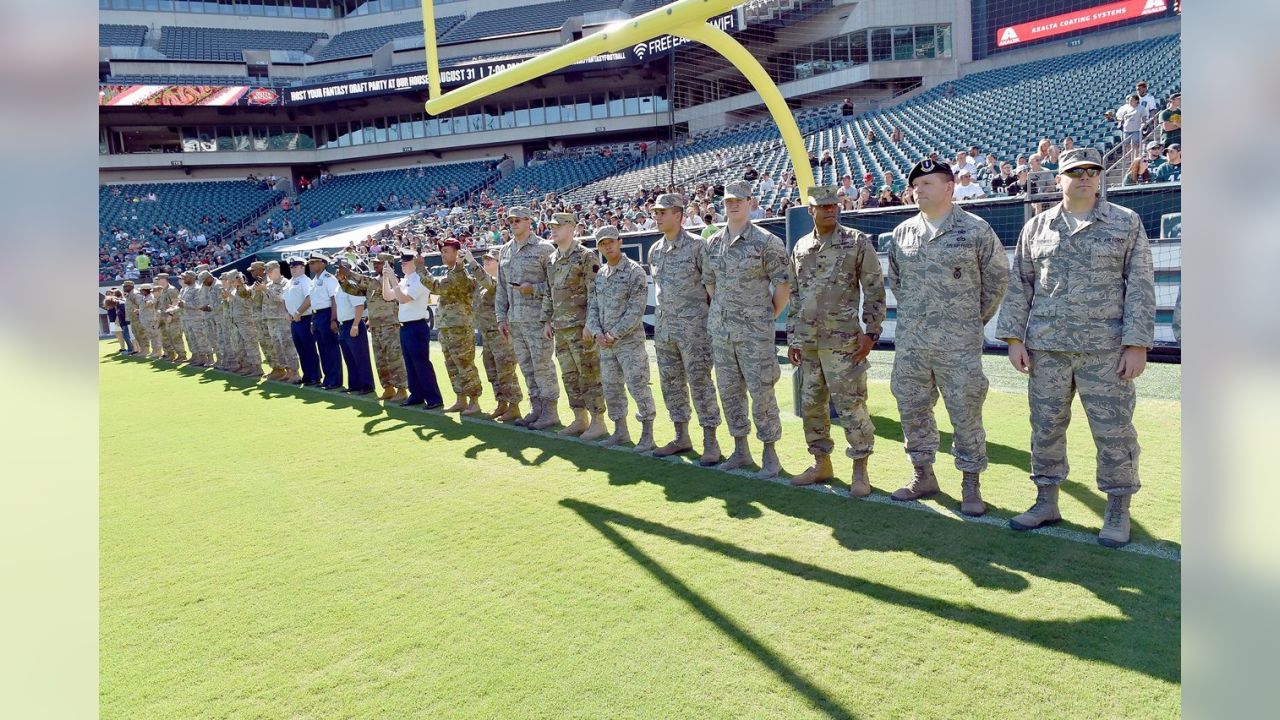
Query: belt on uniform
point(412, 322)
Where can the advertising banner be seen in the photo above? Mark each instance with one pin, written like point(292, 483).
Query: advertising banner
point(1079, 20)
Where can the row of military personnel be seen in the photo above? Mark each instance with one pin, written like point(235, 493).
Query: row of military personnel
point(1078, 315)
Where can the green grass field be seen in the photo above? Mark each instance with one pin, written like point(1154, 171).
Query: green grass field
point(276, 552)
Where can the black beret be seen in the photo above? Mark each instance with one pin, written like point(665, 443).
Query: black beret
point(929, 167)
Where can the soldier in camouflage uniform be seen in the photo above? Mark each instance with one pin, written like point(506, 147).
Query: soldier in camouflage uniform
point(278, 322)
point(258, 295)
point(834, 269)
point(522, 315)
point(1080, 317)
point(170, 323)
point(227, 355)
point(243, 328)
point(208, 296)
point(193, 320)
point(741, 263)
point(948, 271)
point(384, 327)
point(453, 318)
point(615, 319)
point(132, 307)
point(571, 274)
point(149, 320)
point(680, 338)
point(499, 357)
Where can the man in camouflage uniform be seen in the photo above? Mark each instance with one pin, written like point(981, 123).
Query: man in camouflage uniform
point(834, 269)
point(132, 307)
point(228, 357)
point(193, 320)
point(1080, 317)
point(948, 271)
point(170, 323)
point(243, 328)
point(571, 274)
point(453, 318)
point(522, 315)
point(208, 295)
point(149, 320)
point(278, 323)
point(741, 263)
point(680, 338)
point(384, 327)
point(615, 319)
point(499, 357)
point(258, 296)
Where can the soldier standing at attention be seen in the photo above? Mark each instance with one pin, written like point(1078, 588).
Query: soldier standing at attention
point(193, 320)
point(615, 319)
point(415, 331)
point(297, 296)
point(209, 297)
point(257, 288)
point(680, 338)
point(522, 316)
point(170, 324)
point(1080, 317)
point(742, 262)
point(384, 327)
point(498, 355)
point(132, 309)
point(278, 322)
point(571, 274)
point(453, 318)
point(835, 269)
point(948, 271)
point(353, 338)
point(149, 316)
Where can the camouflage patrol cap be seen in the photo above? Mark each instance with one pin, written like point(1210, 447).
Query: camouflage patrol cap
point(493, 252)
point(203, 274)
point(145, 287)
point(188, 273)
point(668, 201)
point(162, 276)
point(1080, 157)
point(929, 166)
point(257, 265)
point(608, 232)
point(823, 195)
point(385, 257)
point(563, 218)
point(738, 190)
point(202, 266)
point(519, 211)
point(272, 265)
point(127, 283)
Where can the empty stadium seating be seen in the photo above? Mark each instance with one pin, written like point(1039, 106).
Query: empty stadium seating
point(121, 35)
point(524, 19)
point(181, 204)
point(221, 44)
point(557, 174)
point(357, 43)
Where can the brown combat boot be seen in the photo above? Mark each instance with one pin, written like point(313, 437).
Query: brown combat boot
point(472, 407)
point(971, 496)
point(595, 429)
point(923, 485)
point(1115, 522)
point(498, 411)
point(535, 411)
point(741, 456)
point(679, 445)
point(1044, 512)
point(646, 437)
point(581, 420)
point(819, 472)
point(550, 416)
point(621, 434)
point(511, 414)
point(710, 448)
point(401, 395)
point(388, 392)
point(770, 465)
point(860, 486)
point(457, 405)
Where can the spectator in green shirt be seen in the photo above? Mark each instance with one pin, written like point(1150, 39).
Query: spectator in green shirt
point(1171, 170)
point(142, 262)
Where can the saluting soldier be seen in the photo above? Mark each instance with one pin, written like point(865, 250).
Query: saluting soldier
point(453, 318)
point(242, 327)
point(498, 355)
point(258, 296)
point(615, 319)
point(948, 271)
point(384, 327)
point(170, 324)
point(571, 274)
point(680, 338)
point(522, 315)
point(278, 323)
point(209, 297)
point(742, 262)
point(1080, 317)
point(835, 269)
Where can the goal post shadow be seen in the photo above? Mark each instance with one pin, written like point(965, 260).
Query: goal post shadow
point(684, 18)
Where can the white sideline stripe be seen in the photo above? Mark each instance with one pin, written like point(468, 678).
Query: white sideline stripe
point(1060, 533)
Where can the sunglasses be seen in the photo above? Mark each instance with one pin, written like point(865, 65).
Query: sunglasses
point(1076, 173)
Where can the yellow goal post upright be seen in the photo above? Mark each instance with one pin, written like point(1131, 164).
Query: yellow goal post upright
point(684, 18)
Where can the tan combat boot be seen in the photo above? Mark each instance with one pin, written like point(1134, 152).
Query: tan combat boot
point(646, 437)
point(971, 496)
point(680, 444)
point(550, 416)
point(511, 414)
point(770, 465)
point(1044, 512)
point(1115, 522)
point(596, 429)
point(498, 411)
point(819, 472)
point(535, 411)
point(621, 434)
point(860, 486)
point(457, 405)
point(581, 420)
point(401, 395)
point(741, 456)
point(923, 485)
point(473, 406)
point(710, 448)
point(388, 392)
